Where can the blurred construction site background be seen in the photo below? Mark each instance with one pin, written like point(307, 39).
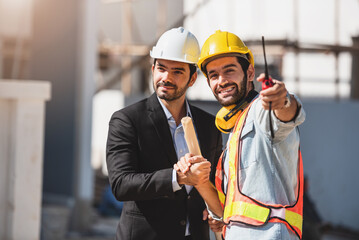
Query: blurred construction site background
point(66, 66)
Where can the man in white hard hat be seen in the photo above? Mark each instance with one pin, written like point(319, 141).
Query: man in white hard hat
point(146, 139)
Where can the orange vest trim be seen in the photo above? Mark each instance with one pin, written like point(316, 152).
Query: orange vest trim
point(243, 209)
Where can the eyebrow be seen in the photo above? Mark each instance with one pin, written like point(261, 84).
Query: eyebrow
point(226, 66)
point(230, 65)
point(176, 68)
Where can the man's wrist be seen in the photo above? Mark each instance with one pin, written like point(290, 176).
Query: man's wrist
point(203, 186)
point(288, 101)
point(176, 185)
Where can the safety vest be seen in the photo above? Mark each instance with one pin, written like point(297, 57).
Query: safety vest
point(243, 209)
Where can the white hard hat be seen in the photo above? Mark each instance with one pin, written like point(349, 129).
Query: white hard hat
point(177, 44)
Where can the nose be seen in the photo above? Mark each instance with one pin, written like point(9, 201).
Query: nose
point(222, 80)
point(166, 77)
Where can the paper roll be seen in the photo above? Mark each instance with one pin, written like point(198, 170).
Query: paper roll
point(193, 147)
point(190, 136)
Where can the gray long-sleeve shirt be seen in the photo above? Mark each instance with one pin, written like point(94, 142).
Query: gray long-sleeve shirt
point(268, 169)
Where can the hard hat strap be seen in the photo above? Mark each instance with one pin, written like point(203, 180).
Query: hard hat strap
point(241, 105)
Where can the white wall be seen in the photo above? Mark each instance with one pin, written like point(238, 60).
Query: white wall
point(105, 103)
point(143, 19)
point(15, 18)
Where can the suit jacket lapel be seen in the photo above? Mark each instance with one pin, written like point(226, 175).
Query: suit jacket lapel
point(160, 123)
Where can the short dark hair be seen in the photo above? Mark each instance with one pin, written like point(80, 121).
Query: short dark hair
point(192, 68)
point(245, 65)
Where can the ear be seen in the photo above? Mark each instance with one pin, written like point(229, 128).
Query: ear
point(193, 79)
point(153, 68)
point(250, 73)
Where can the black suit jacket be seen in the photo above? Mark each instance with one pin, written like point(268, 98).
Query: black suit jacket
point(140, 158)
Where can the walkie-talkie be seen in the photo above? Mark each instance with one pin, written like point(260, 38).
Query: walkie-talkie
point(267, 83)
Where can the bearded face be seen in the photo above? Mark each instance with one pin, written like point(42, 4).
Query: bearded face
point(227, 80)
point(171, 79)
point(230, 94)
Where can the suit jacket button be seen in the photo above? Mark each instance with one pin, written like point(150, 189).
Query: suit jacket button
point(183, 222)
point(188, 197)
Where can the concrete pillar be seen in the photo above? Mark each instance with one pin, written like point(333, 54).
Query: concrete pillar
point(22, 111)
point(87, 63)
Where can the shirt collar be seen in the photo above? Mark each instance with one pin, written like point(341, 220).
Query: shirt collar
point(169, 115)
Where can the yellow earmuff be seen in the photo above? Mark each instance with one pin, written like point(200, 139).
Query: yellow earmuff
point(227, 116)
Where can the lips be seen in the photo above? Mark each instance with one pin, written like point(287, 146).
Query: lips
point(166, 85)
point(226, 91)
point(166, 88)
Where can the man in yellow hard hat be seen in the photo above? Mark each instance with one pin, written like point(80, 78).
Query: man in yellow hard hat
point(259, 177)
point(147, 138)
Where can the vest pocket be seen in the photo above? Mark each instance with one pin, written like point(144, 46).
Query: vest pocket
point(249, 153)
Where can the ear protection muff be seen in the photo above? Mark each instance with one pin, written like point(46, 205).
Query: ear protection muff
point(227, 116)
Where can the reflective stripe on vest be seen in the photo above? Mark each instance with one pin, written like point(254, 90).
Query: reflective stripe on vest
point(241, 208)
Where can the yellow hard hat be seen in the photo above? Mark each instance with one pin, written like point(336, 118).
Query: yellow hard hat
point(223, 44)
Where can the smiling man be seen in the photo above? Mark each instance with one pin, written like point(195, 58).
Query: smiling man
point(259, 178)
point(146, 139)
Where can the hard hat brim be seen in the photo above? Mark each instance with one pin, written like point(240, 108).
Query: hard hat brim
point(216, 56)
point(155, 56)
